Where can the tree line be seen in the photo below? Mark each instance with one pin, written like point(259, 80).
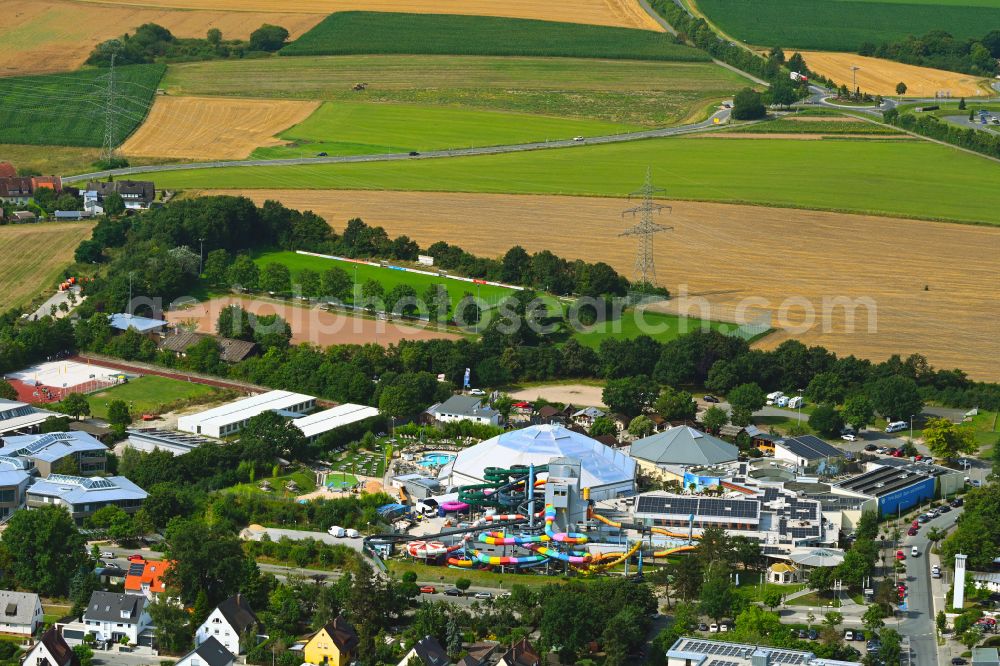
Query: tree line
point(153, 43)
point(987, 143)
point(940, 50)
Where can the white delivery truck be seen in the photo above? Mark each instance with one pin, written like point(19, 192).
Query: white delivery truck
point(336, 531)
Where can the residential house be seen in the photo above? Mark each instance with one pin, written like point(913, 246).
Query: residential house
point(809, 453)
point(112, 617)
point(230, 350)
point(53, 183)
point(110, 574)
point(137, 194)
point(464, 408)
point(521, 653)
point(428, 652)
point(71, 452)
point(335, 644)
point(585, 417)
point(145, 577)
point(549, 414)
point(92, 202)
point(7, 170)
point(20, 612)
point(15, 190)
point(232, 623)
point(83, 496)
point(209, 653)
point(50, 650)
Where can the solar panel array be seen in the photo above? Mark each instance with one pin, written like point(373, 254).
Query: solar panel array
point(95, 483)
point(699, 506)
point(723, 662)
point(43, 442)
point(136, 568)
point(741, 652)
point(721, 649)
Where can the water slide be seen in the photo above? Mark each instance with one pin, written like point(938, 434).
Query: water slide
point(655, 530)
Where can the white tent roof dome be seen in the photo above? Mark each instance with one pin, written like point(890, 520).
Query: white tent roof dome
point(537, 445)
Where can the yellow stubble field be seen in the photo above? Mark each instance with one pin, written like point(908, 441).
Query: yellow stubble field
point(26, 272)
point(207, 128)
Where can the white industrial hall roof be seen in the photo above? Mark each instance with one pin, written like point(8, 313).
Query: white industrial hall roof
point(335, 417)
point(240, 410)
point(601, 465)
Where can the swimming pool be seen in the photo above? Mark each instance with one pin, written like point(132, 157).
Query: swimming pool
point(436, 459)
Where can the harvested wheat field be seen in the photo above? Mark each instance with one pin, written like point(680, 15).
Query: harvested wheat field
point(726, 254)
point(24, 271)
point(624, 13)
point(41, 36)
point(207, 128)
point(310, 325)
point(879, 77)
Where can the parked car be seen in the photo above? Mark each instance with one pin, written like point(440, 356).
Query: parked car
point(428, 589)
point(352, 534)
point(724, 626)
point(483, 595)
point(859, 635)
point(958, 661)
point(136, 558)
point(912, 531)
point(897, 453)
point(923, 518)
point(713, 628)
point(957, 502)
point(477, 392)
point(850, 437)
point(812, 634)
point(801, 633)
point(870, 447)
point(914, 552)
point(336, 531)
point(107, 554)
point(710, 398)
point(900, 555)
point(702, 627)
point(944, 508)
point(915, 524)
point(453, 592)
point(848, 635)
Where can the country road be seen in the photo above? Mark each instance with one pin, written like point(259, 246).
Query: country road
point(706, 125)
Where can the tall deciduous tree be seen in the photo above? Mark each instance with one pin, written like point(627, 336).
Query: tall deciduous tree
point(745, 399)
point(858, 411)
point(895, 397)
point(206, 557)
point(946, 439)
point(675, 405)
point(41, 550)
point(714, 418)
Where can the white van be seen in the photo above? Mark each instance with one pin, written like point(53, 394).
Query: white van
point(796, 402)
point(351, 534)
point(782, 401)
point(336, 531)
point(896, 426)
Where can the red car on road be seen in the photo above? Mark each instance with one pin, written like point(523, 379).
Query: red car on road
point(900, 555)
point(428, 589)
point(912, 531)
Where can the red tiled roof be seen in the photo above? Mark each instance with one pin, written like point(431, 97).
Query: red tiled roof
point(7, 170)
point(151, 576)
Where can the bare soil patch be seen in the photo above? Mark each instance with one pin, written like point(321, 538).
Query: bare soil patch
point(626, 13)
point(40, 36)
point(310, 325)
point(209, 128)
point(879, 77)
point(580, 395)
point(720, 255)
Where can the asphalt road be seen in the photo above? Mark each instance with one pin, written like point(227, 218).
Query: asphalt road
point(706, 125)
point(917, 621)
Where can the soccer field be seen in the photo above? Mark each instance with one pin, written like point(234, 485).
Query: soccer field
point(915, 179)
point(387, 277)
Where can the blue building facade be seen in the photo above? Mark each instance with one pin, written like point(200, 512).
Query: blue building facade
point(908, 497)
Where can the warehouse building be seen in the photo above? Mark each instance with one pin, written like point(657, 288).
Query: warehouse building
point(895, 489)
point(689, 651)
point(229, 419)
point(314, 425)
point(810, 454)
point(947, 481)
point(21, 418)
point(151, 439)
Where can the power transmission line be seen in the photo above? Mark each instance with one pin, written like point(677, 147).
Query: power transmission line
point(645, 268)
point(108, 151)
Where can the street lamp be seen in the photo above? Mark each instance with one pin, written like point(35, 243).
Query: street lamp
point(911, 427)
point(800, 404)
point(854, 74)
point(201, 256)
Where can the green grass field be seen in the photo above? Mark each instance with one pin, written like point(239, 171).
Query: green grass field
point(900, 178)
point(844, 25)
point(662, 327)
point(345, 33)
point(149, 393)
point(645, 93)
point(388, 277)
point(355, 128)
point(68, 109)
point(830, 127)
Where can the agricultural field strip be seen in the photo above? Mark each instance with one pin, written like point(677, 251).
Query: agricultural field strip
point(952, 322)
point(43, 36)
point(621, 13)
point(24, 272)
point(929, 181)
point(837, 25)
point(345, 33)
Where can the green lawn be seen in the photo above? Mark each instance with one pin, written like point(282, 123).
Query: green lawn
point(833, 127)
point(389, 32)
point(815, 600)
point(149, 393)
point(68, 109)
point(844, 25)
point(660, 326)
point(751, 590)
point(357, 128)
point(446, 576)
point(304, 479)
point(388, 277)
point(987, 428)
point(913, 179)
point(648, 93)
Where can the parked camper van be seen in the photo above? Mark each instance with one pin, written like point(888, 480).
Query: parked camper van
point(796, 402)
point(336, 531)
point(782, 401)
point(773, 397)
point(896, 426)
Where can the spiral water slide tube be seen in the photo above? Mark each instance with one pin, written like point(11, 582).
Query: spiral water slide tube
point(502, 487)
point(654, 530)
